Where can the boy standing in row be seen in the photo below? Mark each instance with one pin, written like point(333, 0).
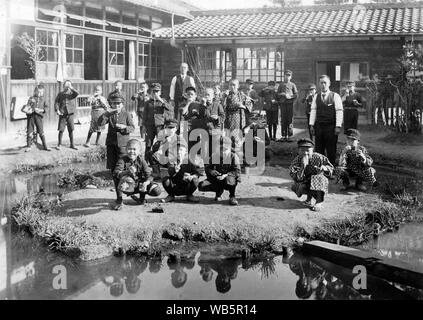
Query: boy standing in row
point(270, 105)
point(287, 94)
point(142, 98)
point(35, 109)
point(65, 107)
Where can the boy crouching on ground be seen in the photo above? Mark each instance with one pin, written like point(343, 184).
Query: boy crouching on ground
point(309, 171)
point(355, 162)
point(224, 174)
point(132, 176)
point(183, 178)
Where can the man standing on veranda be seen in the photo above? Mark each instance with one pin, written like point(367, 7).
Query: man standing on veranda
point(326, 119)
point(178, 86)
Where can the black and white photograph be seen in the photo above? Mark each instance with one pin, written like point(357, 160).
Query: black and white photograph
point(222, 152)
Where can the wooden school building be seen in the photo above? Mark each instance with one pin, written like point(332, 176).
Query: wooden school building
point(91, 42)
point(346, 42)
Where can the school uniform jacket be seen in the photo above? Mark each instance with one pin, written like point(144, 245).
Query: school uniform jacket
point(137, 168)
point(36, 102)
point(115, 136)
point(66, 102)
point(233, 168)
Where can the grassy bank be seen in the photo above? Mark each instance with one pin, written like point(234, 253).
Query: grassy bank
point(35, 214)
point(61, 158)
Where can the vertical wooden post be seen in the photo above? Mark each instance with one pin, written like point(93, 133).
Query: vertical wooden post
point(104, 53)
point(137, 16)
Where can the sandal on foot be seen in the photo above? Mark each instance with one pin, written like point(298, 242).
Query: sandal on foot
point(307, 203)
point(118, 206)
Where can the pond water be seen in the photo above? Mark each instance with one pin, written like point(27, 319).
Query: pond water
point(28, 272)
point(208, 273)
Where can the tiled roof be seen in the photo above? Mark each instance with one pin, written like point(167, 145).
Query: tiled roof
point(313, 21)
point(178, 7)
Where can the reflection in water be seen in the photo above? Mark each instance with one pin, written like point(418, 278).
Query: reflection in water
point(282, 277)
point(405, 244)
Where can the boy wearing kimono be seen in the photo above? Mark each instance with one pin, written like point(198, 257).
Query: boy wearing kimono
point(310, 170)
point(355, 162)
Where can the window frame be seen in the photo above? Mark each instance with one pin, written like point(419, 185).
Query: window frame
point(214, 60)
point(254, 60)
point(73, 48)
point(144, 56)
point(47, 46)
point(155, 63)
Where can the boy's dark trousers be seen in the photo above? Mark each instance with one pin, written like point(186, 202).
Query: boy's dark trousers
point(36, 121)
point(326, 140)
point(309, 127)
point(119, 193)
point(287, 112)
point(218, 186)
point(350, 119)
point(66, 120)
point(181, 188)
point(150, 133)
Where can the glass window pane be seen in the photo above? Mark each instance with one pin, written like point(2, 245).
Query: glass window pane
point(69, 41)
point(52, 54)
point(120, 46)
point(52, 39)
point(120, 59)
point(69, 56)
point(112, 45)
point(43, 54)
point(78, 42)
point(77, 55)
point(112, 58)
point(247, 53)
point(239, 64)
point(240, 53)
point(42, 37)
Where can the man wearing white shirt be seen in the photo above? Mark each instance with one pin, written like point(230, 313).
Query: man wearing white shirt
point(178, 86)
point(326, 118)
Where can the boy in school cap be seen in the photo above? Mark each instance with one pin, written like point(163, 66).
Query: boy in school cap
point(309, 170)
point(355, 162)
point(270, 105)
point(287, 94)
point(308, 99)
point(351, 101)
point(120, 126)
point(223, 172)
point(251, 93)
point(156, 111)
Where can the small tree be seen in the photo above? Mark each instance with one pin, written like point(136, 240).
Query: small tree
point(410, 88)
point(32, 48)
point(403, 91)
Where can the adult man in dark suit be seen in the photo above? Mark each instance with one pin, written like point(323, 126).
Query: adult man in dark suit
point(326, 117)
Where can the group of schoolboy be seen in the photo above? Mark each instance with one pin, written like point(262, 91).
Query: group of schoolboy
point(132, 169)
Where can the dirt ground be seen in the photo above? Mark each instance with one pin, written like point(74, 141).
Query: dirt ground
point(260, 213)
